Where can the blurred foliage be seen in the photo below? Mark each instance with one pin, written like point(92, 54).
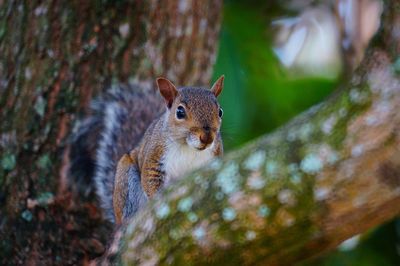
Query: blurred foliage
point(260, 95)
point(256, 85)
point(377, 248)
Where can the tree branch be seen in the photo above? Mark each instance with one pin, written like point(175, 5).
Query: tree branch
point(329, 174)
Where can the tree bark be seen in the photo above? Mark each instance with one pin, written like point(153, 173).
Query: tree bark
point(54, 56)
point(331, 173)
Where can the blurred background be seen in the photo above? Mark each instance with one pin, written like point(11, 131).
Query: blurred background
point(279, 59)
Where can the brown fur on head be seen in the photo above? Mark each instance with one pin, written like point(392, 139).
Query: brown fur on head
point(194, 114)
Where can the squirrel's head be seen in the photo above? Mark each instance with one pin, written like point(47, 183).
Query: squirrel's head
point(194, 115)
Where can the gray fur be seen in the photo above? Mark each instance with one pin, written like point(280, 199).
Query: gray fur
point(136, 197)
point(117, 122)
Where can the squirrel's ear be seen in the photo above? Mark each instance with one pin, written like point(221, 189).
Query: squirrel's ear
point(218, 86)
point(167, 90)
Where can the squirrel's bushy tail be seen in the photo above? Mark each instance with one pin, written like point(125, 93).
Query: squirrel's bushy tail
point(116, 124)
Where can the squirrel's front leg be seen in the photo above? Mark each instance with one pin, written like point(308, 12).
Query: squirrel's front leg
point(122, 175)
point(153, 176)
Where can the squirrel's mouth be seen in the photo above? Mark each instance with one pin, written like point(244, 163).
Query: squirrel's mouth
point(195, 142)
point(202, 148)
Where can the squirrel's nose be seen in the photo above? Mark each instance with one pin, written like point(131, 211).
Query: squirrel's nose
point(206, 138)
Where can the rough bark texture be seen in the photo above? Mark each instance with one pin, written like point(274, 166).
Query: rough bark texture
point(329, 174)
point(54, 56)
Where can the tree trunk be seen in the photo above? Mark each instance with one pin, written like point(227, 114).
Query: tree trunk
point(331, 173)
point(54, 56)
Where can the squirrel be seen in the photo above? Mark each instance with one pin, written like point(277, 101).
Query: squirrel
point(129, 147)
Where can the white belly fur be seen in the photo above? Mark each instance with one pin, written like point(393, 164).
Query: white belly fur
point(180, 160)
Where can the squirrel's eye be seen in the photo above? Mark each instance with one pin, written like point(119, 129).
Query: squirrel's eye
point(220, 112)
point(180, 112)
